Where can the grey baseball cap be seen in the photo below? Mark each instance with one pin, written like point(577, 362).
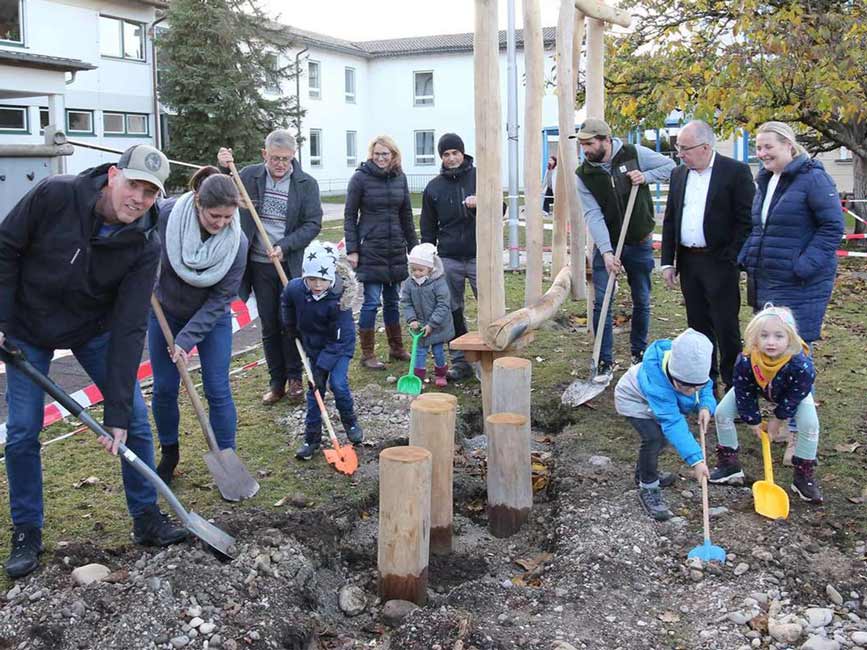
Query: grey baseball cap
point(142, 162)
point(592, 127)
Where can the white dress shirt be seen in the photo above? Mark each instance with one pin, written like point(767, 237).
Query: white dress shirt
point(694, 201)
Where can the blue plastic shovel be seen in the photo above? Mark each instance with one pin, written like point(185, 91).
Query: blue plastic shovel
point(707, 552)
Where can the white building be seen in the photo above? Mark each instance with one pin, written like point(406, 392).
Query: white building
point(84, 65)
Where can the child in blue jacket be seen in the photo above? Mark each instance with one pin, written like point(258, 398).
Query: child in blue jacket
point(317, 307)
point(776, 365)
point(656, 395)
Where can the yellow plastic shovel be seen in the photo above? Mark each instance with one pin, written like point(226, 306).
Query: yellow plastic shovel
point(771, 500)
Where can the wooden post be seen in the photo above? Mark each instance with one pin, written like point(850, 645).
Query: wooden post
point(510, 489)
point(595, 68)
point(432, 427)
point(447, 397)
point(578, 230)
point(534, 61)
point(512, 381)
point(561, 214)
point(489, 187)
point(404, 523)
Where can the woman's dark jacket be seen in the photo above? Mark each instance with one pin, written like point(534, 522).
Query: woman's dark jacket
point(378, 223)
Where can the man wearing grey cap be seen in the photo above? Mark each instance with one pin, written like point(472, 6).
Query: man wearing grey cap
point(605, 178)
point(78, 258)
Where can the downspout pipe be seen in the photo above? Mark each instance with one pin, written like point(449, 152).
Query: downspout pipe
point(158, 133)
point(298, 99)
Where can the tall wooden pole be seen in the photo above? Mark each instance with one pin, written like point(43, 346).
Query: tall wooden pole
point(432, 427)
point(578, 230)
point(595, 68)
point(510, 488)
point(404, 523)
point(561, 214)
point(534, 75)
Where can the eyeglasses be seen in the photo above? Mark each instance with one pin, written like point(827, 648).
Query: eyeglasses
point(680, 149)
point(387, 154)
point(280, 160)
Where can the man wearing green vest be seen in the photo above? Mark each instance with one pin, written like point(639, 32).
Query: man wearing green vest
point(609, 170)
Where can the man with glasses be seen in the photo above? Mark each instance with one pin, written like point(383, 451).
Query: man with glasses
point(707, 220)
point(605, 178)
point(287, 200)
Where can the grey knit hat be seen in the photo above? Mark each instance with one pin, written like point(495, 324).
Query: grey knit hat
point(689, 362)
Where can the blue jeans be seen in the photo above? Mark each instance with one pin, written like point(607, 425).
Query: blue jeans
point(215, 352)
point(439, 355)
point(373, 292)
point(637, 260)
point(338, 381)
point(25, 401)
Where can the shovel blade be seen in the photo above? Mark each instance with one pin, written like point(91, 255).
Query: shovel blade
point(409, 385)
point(345, 461)
point(580, 391)
point(770, 500)
point(233, 480)
point(708, 552)
point(210, 534)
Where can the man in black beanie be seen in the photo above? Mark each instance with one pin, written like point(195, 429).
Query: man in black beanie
point(448, 220)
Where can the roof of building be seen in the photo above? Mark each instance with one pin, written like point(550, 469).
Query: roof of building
point(28, 60)
point(159, 4)
point(443, 43)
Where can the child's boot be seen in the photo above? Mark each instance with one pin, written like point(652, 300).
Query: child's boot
point(440, 372)
point(804, 484)
point(352, 428)
point(168, 461)
point(654, 504)
point(312, 440)
point(728, 468)
point(420, 373)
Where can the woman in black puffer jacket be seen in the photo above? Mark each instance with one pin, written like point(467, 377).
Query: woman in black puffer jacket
point(379, 231)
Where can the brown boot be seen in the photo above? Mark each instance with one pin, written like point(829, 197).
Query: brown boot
point(395, 343)
point(368, 356)
point(275, 393)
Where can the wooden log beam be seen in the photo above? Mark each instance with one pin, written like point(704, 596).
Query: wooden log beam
point(534, 62)
point(432, 427)
point(600, 10)
point(404, 523)
point(489, 187)
point(510, 487)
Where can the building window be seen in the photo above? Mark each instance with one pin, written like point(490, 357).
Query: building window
point(349, 84)
point(79, 122)
point(44, 118)
point(12, 21)
point(424, 147)
point(314, 79)
point(13, 119)
point(113, 123)
point(121, 39)
point(315, 147)
point(844, 154)
point(424, 94)
point(351, 155)
point(124, 123)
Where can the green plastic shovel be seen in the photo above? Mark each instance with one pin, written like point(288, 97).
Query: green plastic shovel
point(409, 384)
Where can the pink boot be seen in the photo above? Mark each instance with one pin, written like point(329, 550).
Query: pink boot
point(420, 373)
point(440, 372)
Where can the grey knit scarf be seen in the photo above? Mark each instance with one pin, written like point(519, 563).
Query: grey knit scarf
point(199, 263)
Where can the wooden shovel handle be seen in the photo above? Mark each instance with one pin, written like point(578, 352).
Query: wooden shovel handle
point(185, 376)
point(324, 411)
point(705, 505)
point(263, 235)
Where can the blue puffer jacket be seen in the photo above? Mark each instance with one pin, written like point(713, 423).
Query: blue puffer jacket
point(327, 331)
point(791, 260)
point(670, 406)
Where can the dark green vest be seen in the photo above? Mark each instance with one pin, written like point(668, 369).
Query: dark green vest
point(611, 192)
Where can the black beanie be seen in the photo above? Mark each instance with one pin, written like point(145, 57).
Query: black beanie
point(450, 141)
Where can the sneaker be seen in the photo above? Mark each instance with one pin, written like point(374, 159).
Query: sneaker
point(728, 474)
point(307, 451)
point(653, 503)
point(26, 547)
point(637, 358)
point(804, 483)
point(353, 430)
point(666, 479)
point(605, 368)
point(153, 528)
point(460, 371)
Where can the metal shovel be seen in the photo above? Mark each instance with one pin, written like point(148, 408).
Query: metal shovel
point(707, 552)
point(771, 500)
point(580, 391)
point(231, 477)
point(197, 525)
point(410, 384)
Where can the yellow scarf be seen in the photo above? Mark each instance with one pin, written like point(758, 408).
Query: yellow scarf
point(765, 368)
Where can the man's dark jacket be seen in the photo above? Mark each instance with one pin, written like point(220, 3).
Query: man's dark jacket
point(445, 221)
point(377, 223)
point(726, 211)
point(61, 284)
point(303, 216)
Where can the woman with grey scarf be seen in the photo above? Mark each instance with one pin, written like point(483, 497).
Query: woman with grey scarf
point(203, 258)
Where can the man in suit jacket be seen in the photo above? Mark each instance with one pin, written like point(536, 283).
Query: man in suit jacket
point(707, 220)
point(287, 200)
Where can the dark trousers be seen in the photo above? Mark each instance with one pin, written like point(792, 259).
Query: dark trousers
point(280, 352)
point(652, 443)
point(713, 300)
